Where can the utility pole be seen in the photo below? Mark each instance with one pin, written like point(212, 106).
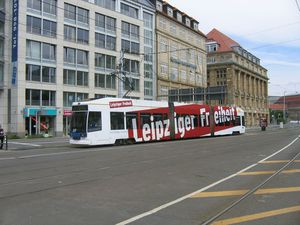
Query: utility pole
point(121, 74)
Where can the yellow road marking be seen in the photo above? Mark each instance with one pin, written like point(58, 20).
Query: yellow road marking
point(268, 172)
point(243, 192)
point(279, 161)
point(257, 216)
point(277, 190)
point(219, 193)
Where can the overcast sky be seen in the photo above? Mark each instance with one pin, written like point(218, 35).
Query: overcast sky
point(269, 29)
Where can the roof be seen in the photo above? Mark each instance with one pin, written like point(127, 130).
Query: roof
point(224, 41)
point(291, 100)
point(183, 14)
point(277, 106)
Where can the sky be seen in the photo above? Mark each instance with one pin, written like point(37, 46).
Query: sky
point(269, 29)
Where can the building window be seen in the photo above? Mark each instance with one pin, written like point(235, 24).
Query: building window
point(82, 36)
point(105, 41)
point(159, 6)
point(34, 4)
point(69, 33)
point(174, 49)
point(33, 50)
point(69, 55)
point(148, 88)
point(49, 28)
point(70, 97)
point(34, 25)
point(129, 11)
point(199, 78)
point(148, 71)
point(72, 77)
point(162, 24)
point(82, 15)
point(82, 57)
point(105, 61)
point(212, 58)
point(179, 17)
point(70, 13)
point(170, 12)
point(182, 33)
point(48, 74)
point(135, 83)
point(183, 52)
point(174, 72)
point(192, 55)
point(183, 73)
point(148, 34)
point(105, 22)
point(39, 97)
point(48, 52)
point(49, 6)
point(130, 47)
point(33, 73)
point(108, 4)
point(163, 45)
point(188, 22)
point(173, 28)
point(131, 67)
point(130, 30)
point(105, 81)
point(164, 91)
point(148, 20)
point(192, 75)
point(164, 68)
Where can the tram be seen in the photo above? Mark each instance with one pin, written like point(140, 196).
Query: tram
point(124, 121)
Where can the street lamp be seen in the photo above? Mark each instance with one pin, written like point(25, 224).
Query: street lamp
point(284, 106)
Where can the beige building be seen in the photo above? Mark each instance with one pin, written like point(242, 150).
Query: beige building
point(240, 73)
point(180, 48)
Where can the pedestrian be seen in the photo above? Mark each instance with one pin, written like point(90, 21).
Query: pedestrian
point(2, 135)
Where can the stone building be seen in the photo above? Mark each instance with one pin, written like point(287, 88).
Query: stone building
point(239, 72)
point(180, 51)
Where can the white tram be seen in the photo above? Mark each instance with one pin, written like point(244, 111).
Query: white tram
point(121, 121)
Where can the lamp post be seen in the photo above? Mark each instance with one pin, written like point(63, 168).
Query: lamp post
point(284, 106)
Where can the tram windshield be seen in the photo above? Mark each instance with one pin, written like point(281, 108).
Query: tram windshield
point(78, 122)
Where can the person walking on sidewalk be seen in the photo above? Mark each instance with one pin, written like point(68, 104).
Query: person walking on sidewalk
point(2, 136)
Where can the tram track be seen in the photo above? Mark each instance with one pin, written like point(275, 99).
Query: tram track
point(249, 193)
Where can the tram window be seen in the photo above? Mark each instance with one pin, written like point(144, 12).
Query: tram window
point(221, 121)
point(202, 120)
point(227, 120)
point(166, 117)
point(145, 119)
point(194, 119)
point(117, 120)
point(238, 121)
point(233, 120)
point(129, 118)
point(94, 121)
point(243, 121)
point(157, 117)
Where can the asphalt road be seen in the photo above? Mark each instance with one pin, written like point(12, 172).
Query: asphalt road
point(170, 182)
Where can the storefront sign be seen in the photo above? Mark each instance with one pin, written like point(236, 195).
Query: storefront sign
point(67, 112)
point(14, 55)
point(184, 63)
point(40, 112)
